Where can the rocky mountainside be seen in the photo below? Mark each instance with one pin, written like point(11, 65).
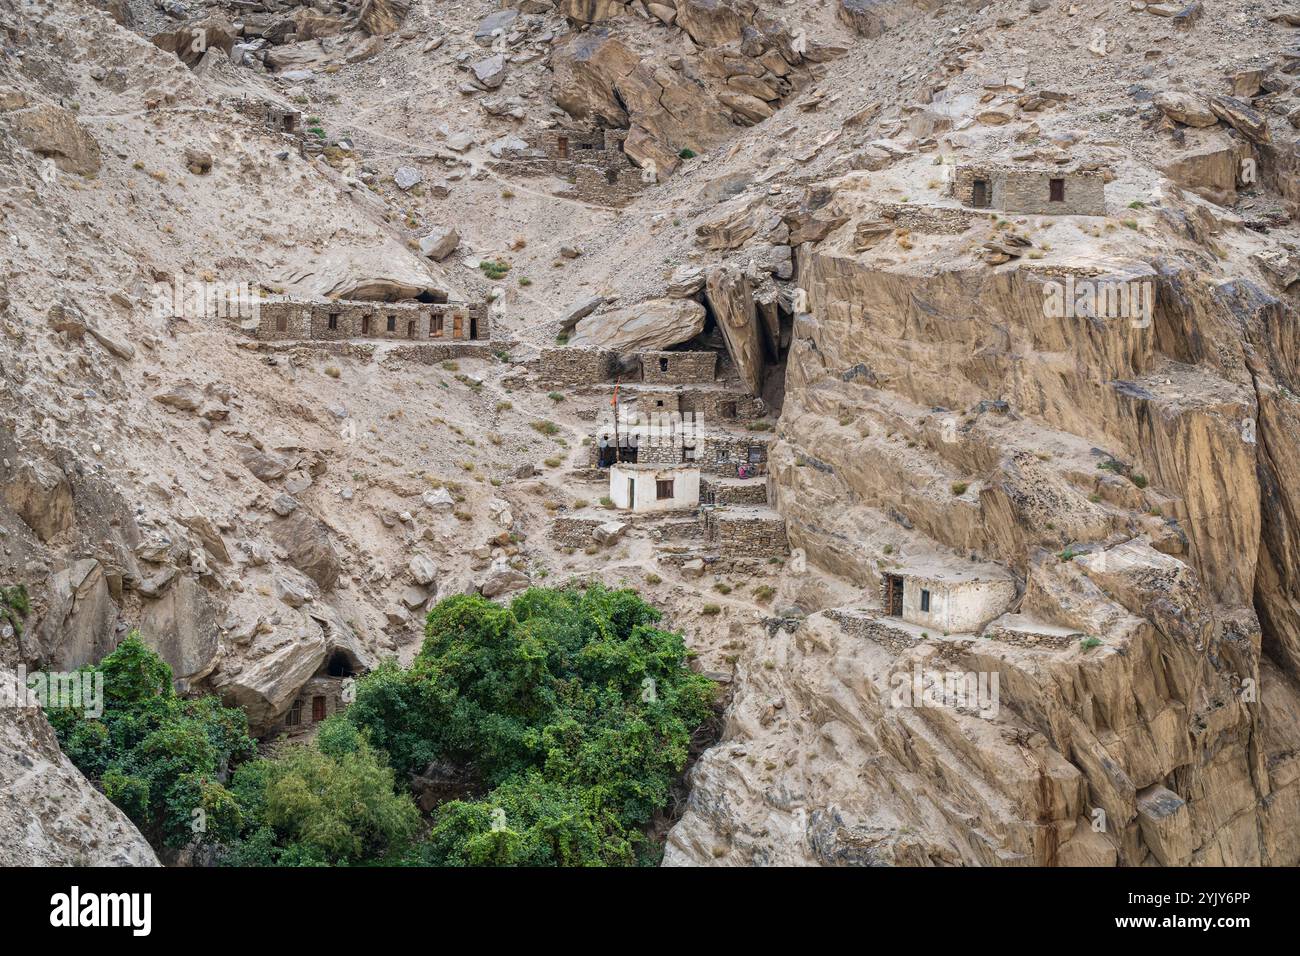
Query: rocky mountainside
point(820, 193)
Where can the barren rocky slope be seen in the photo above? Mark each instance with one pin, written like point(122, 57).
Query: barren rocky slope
point(259, 509)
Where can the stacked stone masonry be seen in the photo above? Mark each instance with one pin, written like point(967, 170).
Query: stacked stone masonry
point(592, 162)
point(1060, 192)
point(574, 367)
point(342, 320)
point(745, 534)
point(678, 368)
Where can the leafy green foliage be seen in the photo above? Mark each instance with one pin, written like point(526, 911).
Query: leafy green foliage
point(329, 803)
point(570, 705)
point(158, 756)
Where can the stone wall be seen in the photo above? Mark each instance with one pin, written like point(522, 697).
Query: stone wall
point(592, 162)
point(678, 368)
point(713, 405)
point(1029, 191)
point(745, 534)
point(715, 492)
point(1017, 190)
point(284, 319)
point(574, 366)
point(329, 688)
point(933, 220)
point(570, 532)
point(723, 455)
point(873, 628)
point(962, 184)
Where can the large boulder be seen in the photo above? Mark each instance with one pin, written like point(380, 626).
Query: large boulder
point(872, 18)
point(440, 242)
point(732, 300)
point(1209, 164)
point(1186, 108)
point(599, 79)
point(52, 131)
point(265, 688)
point(655, 324)
point(590, 11)
point(182, 627)
point(41, 495)
point(78, 626)
point(192, 40)
point(711, 23)
point(1242, 117)
point(501, 580)
point(307, 542)
point(381, 17)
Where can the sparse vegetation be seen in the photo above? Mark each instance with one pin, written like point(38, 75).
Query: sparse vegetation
point(494, 269)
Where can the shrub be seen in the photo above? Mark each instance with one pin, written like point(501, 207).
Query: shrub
point(545, 427)
point(573, 710)
point(14, 607)
point(686, 153)
point(710, 610)
point(959, 487)
point(763, 593)
point(157, 756)
point(494, 269)
point(331, 802)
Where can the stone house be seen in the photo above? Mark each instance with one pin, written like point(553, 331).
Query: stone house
point(324, 695)
point(329, 321)
point(653, 487)
point(276, 117)
point(950, 599)
point(678, 368)
point(1012, 189)
point(591, 161)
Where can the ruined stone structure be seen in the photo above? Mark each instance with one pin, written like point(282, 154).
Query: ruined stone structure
point(1062, 192)
point(334, 321)
point(575, 366)
point(746, 531)
point(950, 600)
point(678, 368)
point(654, 487)
point(591, 161)
point(277, 117)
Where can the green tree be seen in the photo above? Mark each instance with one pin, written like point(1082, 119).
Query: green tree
point(160, 757)
point(330, 802)
point(571, 705)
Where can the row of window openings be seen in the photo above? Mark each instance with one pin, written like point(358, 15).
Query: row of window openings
point(435, 327)
point(982, 196)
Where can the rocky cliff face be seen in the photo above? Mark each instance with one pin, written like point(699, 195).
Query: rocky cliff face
point(260, 511)
point(1128, 468)
point(1128, 472)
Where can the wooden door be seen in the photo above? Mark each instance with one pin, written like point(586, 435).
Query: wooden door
point(317, 709)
